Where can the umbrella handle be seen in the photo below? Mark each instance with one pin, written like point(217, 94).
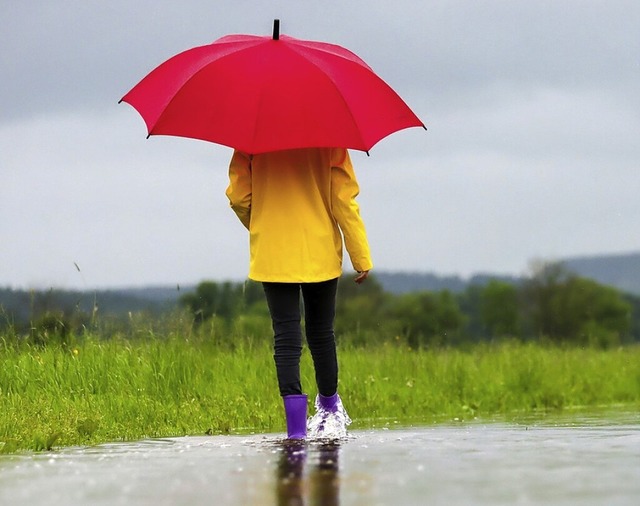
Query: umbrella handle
point(276, 29)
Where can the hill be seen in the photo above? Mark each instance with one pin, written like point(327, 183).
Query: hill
point(404, 282)
point(620, 271)
point(19, 306)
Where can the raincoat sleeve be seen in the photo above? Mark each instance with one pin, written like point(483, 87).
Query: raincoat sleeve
point(344, 190)
point(239, 189)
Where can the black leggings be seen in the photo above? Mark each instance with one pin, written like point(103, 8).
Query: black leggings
point(319, 313)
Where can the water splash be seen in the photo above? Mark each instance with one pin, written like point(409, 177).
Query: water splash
point(325, 424)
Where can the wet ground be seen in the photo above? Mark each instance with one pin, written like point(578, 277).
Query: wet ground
point(585, 461)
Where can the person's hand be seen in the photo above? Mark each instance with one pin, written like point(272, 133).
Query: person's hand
point(362, 275)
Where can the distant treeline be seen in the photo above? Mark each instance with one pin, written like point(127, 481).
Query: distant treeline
point(20, 307)
point(552, 305)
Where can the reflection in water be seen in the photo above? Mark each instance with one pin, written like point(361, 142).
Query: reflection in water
point(321, 483)
point(325, 485)
point(290, 469)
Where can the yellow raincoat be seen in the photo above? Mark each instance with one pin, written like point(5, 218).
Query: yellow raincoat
point(297, 206)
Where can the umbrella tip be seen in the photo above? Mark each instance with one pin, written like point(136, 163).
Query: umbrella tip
point(276, 29)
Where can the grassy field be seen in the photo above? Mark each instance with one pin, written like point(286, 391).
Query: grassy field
point(98, 390)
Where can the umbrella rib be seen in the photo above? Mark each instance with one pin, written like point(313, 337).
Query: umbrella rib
point(202, 65)
point(332, 50)
point(336, 87)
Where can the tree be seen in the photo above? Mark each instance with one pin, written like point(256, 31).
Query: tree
point(499, 309)
point(427, 318)
point(565, 307)
point(362, 310)
point(226, 300)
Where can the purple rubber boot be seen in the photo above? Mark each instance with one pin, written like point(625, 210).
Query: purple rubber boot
point(295, 408)
point(329, 404)
point(330, 420)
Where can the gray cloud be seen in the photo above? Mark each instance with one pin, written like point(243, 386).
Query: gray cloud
point(532, 109)
point(65, 54)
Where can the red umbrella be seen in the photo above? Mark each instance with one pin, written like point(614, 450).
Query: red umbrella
point(260, 94)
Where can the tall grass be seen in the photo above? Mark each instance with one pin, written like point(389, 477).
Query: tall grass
point(487, 380)
point(97, 390)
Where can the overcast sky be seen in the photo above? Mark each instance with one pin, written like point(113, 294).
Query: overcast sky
point(532, 152)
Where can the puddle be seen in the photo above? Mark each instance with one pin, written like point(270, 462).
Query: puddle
point(568, 461)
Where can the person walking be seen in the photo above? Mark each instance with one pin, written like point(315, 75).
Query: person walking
point(298, 206)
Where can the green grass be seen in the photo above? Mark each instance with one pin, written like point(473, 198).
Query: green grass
point(487, 380)
point(113, 390)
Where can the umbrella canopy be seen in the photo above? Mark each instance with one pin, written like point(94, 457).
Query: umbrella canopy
point(260, 94)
